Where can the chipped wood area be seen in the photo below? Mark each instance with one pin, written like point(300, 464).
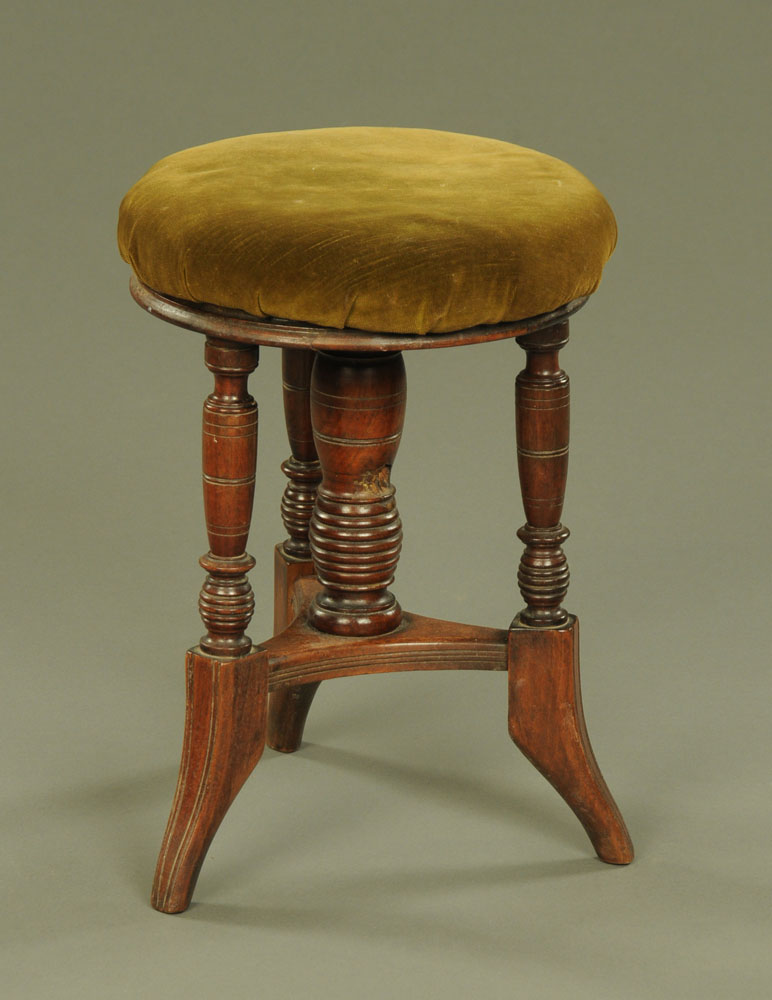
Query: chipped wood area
point(375, 481)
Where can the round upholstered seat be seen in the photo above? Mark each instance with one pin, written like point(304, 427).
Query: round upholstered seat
point(407, 231)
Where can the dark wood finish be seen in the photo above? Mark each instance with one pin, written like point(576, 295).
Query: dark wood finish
point(289, 708)
point(302, 467)
point(226, 602)
point(227, 683)
point(287, 573)
point(546, 721)
point(301, 654)
point(289, 705)
point(224, 738)
point(357, 411)
point(232, 324)
point(542, 416)
point(335, 616)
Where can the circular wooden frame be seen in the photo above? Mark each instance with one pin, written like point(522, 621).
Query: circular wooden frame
point(232, 324)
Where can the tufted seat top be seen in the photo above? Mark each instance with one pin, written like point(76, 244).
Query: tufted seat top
point(394, 230)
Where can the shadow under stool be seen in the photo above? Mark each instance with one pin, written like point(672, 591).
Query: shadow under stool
point(345, 248)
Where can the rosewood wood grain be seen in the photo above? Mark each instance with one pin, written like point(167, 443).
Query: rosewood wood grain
point(335, 616)
point(542, 419)
point(302, 654)
point(224, 737)
point(357, 412)
point(546, 721)
point(289, 708)
point(287, 574)
point(289, 705)
point(226, 602)
point(232, 324)
point(302, 467)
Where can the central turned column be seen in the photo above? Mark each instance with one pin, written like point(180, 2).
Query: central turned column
point(357, 413)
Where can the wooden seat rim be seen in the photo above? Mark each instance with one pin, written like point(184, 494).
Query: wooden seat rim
point(234, 325)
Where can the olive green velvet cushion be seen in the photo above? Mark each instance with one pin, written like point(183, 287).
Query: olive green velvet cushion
point(384, 229)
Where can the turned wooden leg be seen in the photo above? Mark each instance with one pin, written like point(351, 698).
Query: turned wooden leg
point(546, 720)
point(227, 680)
point(289, 706)
point(302, 467)
point(357, 410)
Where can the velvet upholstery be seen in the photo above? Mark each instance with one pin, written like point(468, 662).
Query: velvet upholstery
point(381, 229)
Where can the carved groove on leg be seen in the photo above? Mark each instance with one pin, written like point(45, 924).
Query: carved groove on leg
point(546, 721)
point(224, 737)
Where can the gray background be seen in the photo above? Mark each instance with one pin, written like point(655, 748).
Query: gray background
point(409, 850)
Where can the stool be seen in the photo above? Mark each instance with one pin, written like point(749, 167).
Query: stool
point(345, 248)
